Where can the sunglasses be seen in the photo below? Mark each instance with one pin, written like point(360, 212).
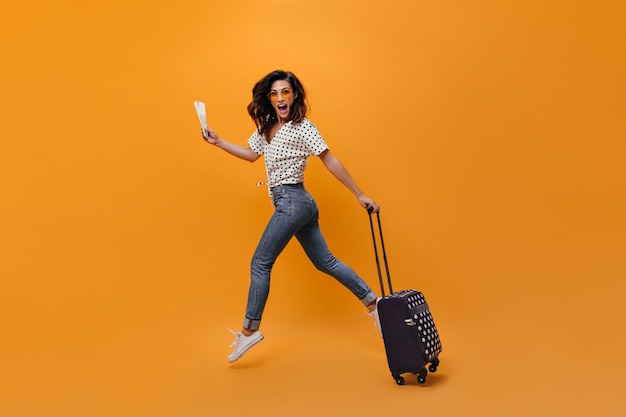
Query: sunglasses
point(285, 93)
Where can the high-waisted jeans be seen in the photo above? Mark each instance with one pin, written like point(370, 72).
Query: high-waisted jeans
point(296, 215)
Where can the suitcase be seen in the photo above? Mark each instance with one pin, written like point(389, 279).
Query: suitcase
point(409, 333)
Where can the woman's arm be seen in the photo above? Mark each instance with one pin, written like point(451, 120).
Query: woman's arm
point(243, 152)
point(341, 173)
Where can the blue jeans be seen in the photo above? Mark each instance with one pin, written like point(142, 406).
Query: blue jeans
point(296, 215)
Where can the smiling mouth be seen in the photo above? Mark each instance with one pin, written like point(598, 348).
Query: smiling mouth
point(282, 107)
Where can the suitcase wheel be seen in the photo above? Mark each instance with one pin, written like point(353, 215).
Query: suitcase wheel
point(399, 379)
point(434, 364)
point(421, 377)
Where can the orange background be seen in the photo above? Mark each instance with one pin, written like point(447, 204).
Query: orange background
point(492, 134)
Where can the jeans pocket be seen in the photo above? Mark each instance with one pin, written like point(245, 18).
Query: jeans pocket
point(282, 205)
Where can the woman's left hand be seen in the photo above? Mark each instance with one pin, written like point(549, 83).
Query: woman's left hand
point(367, 202)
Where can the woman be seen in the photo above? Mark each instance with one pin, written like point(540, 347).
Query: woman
point(286, 138)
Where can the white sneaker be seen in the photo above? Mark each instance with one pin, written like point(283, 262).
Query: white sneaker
point(242, 343)
point(374, 315)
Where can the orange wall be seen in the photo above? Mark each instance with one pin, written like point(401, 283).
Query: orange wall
point(492, 134)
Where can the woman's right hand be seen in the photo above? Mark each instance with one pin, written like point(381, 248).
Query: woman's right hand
point(210, 136)
point(243, 152)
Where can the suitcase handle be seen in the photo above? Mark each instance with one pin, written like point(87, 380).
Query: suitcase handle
point(382, 244)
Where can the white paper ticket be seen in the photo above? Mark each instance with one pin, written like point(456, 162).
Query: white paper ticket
point(201, 111)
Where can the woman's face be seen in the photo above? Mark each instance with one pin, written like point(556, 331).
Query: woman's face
point(282, 96)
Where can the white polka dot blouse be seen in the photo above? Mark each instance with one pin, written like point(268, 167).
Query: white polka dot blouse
point(286, 156)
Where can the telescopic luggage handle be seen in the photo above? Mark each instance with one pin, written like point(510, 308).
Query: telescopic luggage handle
point(382, 244)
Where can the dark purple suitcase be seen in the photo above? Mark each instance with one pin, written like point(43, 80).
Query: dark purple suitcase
point(409, 332)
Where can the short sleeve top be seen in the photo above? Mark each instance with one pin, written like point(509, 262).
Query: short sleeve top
point(286, 156)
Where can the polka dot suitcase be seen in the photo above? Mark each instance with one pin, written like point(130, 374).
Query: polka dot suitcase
point(409, 333)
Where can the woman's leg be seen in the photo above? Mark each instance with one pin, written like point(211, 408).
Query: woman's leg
point(292, 210)
point(274, 239)
point(314, 244)
point(283, 224)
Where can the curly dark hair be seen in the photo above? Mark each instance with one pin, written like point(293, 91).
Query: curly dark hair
point(260, 108)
